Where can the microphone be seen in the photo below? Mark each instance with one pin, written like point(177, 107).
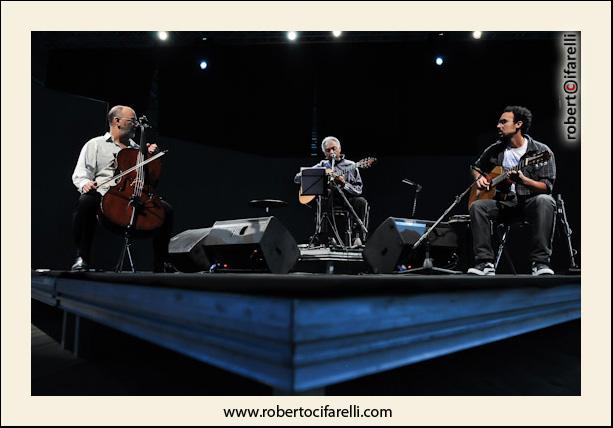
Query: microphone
point(410, 183)
point(332, 159)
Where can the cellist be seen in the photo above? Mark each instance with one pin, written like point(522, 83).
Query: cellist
point(96, 163)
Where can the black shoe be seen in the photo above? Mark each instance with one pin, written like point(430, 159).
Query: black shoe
point(169, 268)
point(79, 265)
point(165, 268)
point(484, 268)
point(541, 269)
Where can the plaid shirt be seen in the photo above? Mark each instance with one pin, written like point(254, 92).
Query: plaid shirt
point(494, 155)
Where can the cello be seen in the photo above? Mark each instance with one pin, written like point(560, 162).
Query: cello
point(131, 204)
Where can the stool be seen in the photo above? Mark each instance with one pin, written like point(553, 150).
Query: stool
point(128, 240)
point(323, 215)
point(344, 212)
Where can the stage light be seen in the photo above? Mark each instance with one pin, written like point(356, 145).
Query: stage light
point(337, 33)
point(163, 35)
point(292, 35)
point(439, 60)
point(203, 65)
point(477, 34)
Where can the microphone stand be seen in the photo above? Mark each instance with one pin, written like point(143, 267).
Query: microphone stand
point(415, 202)
point(417, 190)
point(336, 186)
point(347, 204)
point(428, 266)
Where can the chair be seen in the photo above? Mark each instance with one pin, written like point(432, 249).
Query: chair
point(503, 228)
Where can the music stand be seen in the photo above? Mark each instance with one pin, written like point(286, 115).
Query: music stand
point(312, 181)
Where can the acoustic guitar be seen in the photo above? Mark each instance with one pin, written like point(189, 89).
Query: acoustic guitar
point(363, 163)
point(499, 175)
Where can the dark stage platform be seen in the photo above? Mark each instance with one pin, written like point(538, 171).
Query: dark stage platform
point(300, 332)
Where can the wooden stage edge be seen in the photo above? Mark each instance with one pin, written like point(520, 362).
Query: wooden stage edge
point(301, 332)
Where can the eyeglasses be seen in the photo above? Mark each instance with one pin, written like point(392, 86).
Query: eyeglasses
point(129, 119)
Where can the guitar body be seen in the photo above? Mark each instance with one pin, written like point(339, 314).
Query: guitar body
point(476, 194)
point(305, 199)
point(499, 175)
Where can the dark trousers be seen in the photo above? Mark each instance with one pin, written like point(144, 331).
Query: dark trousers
point(84, 226)
point(538, 210)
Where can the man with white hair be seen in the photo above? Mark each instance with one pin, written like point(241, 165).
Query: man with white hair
point(347, 177)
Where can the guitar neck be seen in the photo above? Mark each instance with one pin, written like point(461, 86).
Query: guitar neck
point(505, 175)
point(348, 169)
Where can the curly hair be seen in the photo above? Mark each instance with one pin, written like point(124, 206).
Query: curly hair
point(523, 114)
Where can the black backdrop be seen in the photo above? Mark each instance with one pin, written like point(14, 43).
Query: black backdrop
point(240, 129)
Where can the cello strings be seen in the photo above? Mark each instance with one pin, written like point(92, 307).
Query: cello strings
point(139, 176)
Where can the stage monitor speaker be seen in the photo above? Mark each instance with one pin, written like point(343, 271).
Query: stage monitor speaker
point(186, 250)
point(390, 244)
point(254, 245)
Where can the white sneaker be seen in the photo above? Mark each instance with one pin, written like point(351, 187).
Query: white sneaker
point(541, 269)
point(485, 268)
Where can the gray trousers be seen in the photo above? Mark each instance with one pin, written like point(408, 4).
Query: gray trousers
point(538, 210)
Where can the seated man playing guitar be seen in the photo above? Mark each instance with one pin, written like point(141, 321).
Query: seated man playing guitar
point(347, 175)
point(520, 173)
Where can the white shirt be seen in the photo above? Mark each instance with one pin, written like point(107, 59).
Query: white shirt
point(512, 155)
point(97, 162)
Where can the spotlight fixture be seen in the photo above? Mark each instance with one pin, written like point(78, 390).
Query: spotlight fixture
point(163, 35)
point(477, 34)
point(203, 65)
point(337, 33)
point(292, 35)
point(439, 60)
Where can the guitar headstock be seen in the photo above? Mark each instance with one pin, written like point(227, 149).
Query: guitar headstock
point(366, 162)
point(539, 159)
